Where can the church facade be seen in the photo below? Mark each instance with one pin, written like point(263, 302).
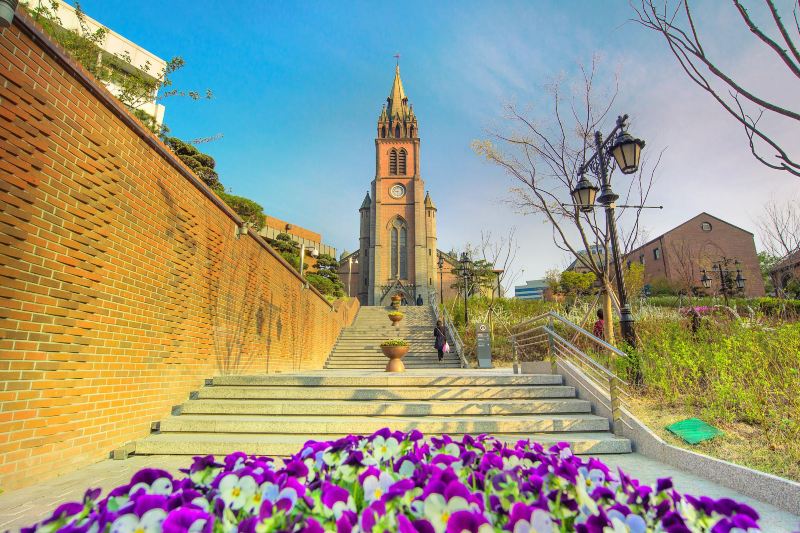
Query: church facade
point(398, 253)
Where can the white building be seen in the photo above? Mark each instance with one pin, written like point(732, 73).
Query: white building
point(116, 45)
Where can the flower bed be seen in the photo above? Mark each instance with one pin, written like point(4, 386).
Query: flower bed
point(399, 482)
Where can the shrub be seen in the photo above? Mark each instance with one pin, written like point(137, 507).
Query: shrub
point(246, 208)
point(400, 482)
point(394, 342)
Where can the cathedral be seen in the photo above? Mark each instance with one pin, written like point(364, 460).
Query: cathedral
point(397, 252)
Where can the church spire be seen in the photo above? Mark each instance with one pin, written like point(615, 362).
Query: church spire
point(397, 119)
point(398, 103)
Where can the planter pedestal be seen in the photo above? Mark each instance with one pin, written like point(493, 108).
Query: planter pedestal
point(395, 355)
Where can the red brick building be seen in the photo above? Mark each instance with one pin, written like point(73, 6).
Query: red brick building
point(785, 271)
point(679, 255)
point(398, 251)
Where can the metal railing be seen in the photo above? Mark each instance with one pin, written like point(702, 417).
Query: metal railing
point(450, 329)
point(551, 337)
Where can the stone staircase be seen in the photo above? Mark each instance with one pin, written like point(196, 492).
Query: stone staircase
point(276, 414)
point(359, 347)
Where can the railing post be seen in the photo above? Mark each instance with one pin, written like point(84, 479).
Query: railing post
point(615, 409)
point(551, 346)
point(515, 355)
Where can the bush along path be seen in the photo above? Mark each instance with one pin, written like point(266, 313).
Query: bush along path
point(400, 482)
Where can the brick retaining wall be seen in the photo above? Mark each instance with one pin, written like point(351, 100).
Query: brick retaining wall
point(122, 281)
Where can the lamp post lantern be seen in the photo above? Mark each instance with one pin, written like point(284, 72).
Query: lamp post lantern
point(721, 267)
point(441, 278)
point(625, 150)
point(350, 276)
point(466, 276)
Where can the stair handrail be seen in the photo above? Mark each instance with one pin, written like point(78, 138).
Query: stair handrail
point(450, 329)
point(541, 332)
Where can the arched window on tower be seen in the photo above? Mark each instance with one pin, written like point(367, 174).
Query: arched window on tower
point(399, 249)
point(403, 253)
point(395, 262)
point(383, 132)
point(411, 132)
point(393, 162)
point(401, 164)
point(397, 131)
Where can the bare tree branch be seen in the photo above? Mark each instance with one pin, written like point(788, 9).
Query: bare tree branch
point(687, 47)
point(544, 155)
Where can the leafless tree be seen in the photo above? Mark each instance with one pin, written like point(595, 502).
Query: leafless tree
point(543, 156)
point(678, 26)
point(779, 227)
point(502, 253)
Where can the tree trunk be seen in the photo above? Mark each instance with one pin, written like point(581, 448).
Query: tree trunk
point(608, 317)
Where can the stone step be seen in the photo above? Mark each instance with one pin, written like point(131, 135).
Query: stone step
point(382, 393)
point(285, 445)
point(322, 425)
point(381, 365)
point(386, 408)
point(432, 379)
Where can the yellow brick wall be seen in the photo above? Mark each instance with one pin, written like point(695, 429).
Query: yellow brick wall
point(122, 282)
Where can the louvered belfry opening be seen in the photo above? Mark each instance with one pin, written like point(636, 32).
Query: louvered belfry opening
point(401, 166)
point(393, 162)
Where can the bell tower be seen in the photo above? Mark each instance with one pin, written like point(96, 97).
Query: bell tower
point(395, 235)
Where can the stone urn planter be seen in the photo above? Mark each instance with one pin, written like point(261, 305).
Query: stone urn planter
point(396, 301)
point(396, 317)
point(395, 351)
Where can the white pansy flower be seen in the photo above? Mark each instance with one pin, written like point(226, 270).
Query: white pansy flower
point(374, 487)
point(150, 522)
point(540, 523)
point(236, 492)
point(161, 486)
point(385, 449)
point(437, 511)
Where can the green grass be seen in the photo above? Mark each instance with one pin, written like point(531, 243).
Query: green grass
point(739, 374)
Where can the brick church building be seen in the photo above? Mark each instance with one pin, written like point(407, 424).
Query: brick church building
point(398, 251)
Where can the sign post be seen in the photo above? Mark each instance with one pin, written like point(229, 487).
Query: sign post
point(483, 344)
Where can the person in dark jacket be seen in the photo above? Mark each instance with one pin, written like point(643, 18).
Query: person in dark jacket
point(419, 299)
point(441, 338)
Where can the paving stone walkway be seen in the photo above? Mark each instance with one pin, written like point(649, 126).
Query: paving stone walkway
point(26, 506)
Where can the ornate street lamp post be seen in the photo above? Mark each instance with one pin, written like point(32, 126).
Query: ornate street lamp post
point(350, 276)
point(721, 268)
point(625, 150)
point(466, 276)
point(441, 278)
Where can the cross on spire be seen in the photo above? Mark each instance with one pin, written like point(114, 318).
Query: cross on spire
point(397, 59)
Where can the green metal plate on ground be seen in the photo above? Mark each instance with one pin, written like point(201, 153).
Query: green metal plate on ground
point(693, 430)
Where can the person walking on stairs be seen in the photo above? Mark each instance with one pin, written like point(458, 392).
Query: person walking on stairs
point(441, 339)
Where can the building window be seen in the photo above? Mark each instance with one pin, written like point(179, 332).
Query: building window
point(401, 167)
point(403, 254)
point(656, 253)
point(399, 251)
point(705, 226)
point(641, 258)
point(383, 132)
point(411, 132)
point(393, 162)
point(397, 131)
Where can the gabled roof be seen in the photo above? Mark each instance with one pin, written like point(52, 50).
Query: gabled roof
point(787, 261)
point(704, 213)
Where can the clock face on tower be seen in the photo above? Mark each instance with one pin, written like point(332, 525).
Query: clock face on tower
point(397, 191)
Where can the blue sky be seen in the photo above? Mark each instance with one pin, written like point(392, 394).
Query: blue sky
point(298, 89)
